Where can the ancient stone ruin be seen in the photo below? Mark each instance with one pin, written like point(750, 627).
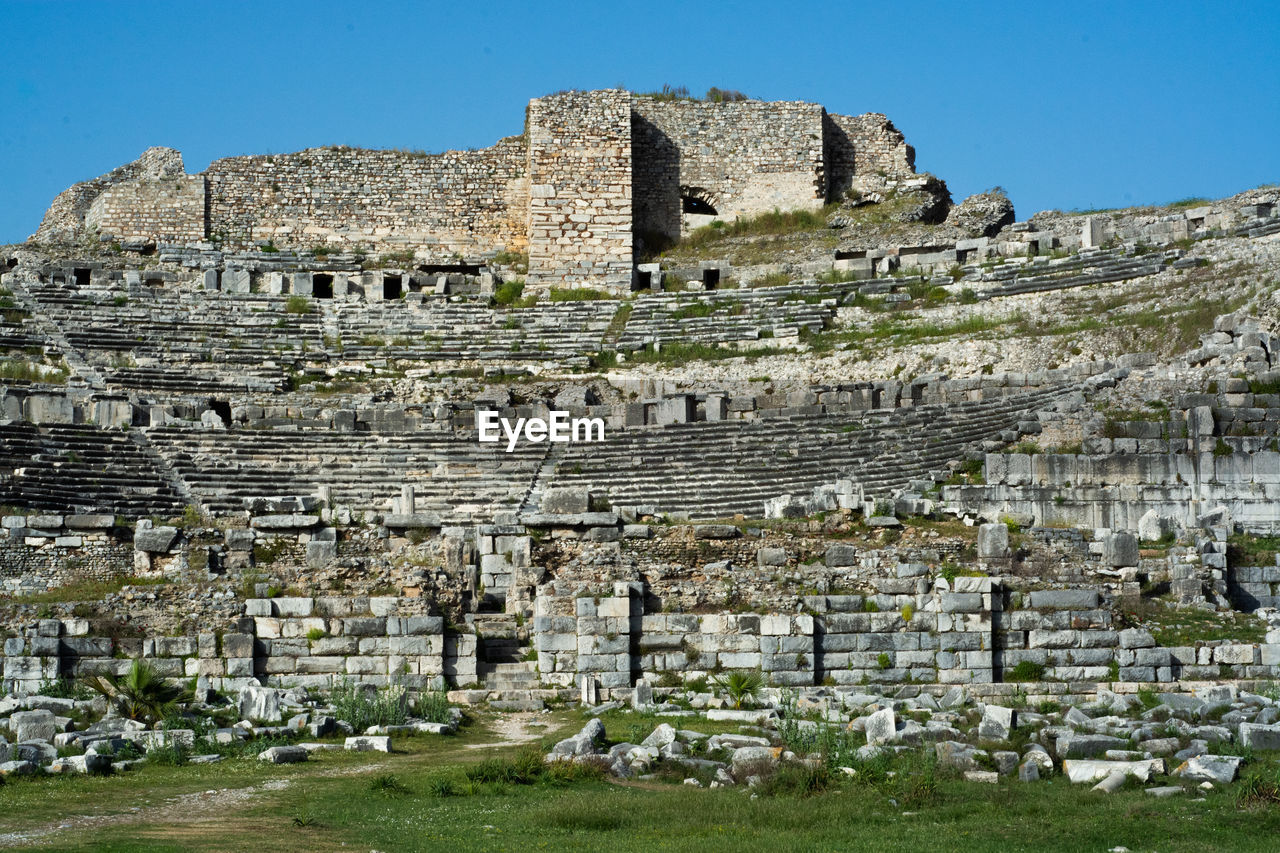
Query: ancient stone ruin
point(918, 445)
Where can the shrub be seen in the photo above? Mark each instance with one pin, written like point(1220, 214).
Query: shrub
point(740, 686)
point(1025, 670)
point(362, 708)
point(796, 780)
point(434, 707)
point(297, 305)
point(172, 754)
point(140, 694)
point(388, 784)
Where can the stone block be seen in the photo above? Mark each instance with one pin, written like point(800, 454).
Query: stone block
point(993, 541)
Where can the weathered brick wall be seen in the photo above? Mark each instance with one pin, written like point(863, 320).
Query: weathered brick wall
point(580, 189)
point(862, 152)
point(167, 210)
point(463, 202)
point(65, 217)
point(742, 158)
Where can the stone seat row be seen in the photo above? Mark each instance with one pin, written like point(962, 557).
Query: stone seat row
point(717, 469)
point(225, 468)
point(82, 468)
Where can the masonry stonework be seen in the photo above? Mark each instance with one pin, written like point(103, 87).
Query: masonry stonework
point(594, 173)
point(580, 188)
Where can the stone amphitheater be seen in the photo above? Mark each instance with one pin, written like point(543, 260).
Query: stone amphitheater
point(858, 437)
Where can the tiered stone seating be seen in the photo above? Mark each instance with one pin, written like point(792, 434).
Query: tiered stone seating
point(82, 468)
point(1090, 266)
point(448, 331)
point(737, 315)
point(717, 469)
point(453, 474)
point(193, 382)
point(174, 327)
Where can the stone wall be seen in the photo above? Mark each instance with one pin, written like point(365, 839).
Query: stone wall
point(463, 202)
point(281, 641)
point(169, 210)
point(65, 218)
point(580, 177)
point(863, 153)
point(741, 158)
point(47, 550)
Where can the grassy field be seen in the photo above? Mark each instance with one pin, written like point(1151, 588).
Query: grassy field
point(422, 798)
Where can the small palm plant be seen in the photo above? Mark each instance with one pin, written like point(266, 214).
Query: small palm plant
point(140, 694)
point(740, 686)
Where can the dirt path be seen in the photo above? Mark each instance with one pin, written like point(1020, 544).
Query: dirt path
point(196, 807)
point(513, 730)
point(213, 805)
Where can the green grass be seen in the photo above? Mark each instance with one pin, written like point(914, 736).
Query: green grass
point(1244, 549)
point(1173, 627)
point(29, 371)
point(426, 800)
point(88, 590)
point(694, 309)
point(297, 305)
point(676, 352)
point(578, 294)
point(773, 223)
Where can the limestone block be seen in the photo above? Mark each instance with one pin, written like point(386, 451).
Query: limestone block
point(565, 500)
point(155, 540)
point(1120, 549)
point(235, 281)
point(993, 541)
point(1064, 599)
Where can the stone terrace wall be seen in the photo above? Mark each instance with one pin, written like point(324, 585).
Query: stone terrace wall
point(580, 189)
point(744, 158)
point(862, 151)
point(286, 642)
point(64, 218)
point(169, 210)
point(466, 202)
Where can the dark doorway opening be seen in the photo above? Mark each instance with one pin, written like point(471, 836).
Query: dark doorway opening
point(222, 409)
point(850, 254)
point(322, 286)
point(436, 269)
point(694, 204)
point(392, 287)
point(81, 276)
point(710, 278)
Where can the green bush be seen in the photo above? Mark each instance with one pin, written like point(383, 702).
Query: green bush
point(434, 707)
point(1025, 670)
point(297, 305)
point(363, 708)
point(140, 694)
point(740, 686)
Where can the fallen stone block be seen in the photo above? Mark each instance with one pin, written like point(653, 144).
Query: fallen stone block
point(1092, 770)
point(1218, 769)
point(367, 743)
point(283, 755)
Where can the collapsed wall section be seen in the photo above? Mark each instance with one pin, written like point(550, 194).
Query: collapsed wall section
point(736, 159)
point(458, 202)
point(167, 210)
point(864, 152)
point(65, 218)
point(580, 177)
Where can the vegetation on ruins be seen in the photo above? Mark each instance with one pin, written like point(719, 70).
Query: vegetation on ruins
point(140, 694)
point(741, 687)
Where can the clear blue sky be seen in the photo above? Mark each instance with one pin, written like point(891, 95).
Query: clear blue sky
point(1066, 105)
